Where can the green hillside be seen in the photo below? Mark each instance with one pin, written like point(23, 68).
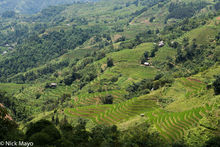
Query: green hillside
point(112, 73)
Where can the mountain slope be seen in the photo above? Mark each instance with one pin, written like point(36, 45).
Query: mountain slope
point(31, 6)
point(121, 64)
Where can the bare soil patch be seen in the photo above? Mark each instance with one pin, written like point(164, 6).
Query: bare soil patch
point(116, 37)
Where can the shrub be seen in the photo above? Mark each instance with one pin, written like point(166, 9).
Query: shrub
point(110, 62)
point(108, 99)
point(216, 85)
point(38, 95)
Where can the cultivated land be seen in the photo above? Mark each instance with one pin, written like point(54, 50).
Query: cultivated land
point(190, 101)
point(174, 97)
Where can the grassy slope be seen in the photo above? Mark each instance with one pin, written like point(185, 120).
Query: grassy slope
point(12, 88)
point(127, 62)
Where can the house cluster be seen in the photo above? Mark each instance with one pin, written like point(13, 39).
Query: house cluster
point(160, 44)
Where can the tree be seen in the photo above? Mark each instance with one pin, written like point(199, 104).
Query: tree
point(16, 107)
point(53, 119)
point(173, 44)
point(108, 99)
point(47, 85)
point(213, 142)
point(38, 95)
point(140, 136)
point(70, 78)
point(216, 85)
point(8, 128)
point(110, 62)
point(57, 121)
point(104, 136)
point(153, 52)
point(152, 19)
point(43, 133)
point(145, 56)
point(78, 135)
point(41, 139)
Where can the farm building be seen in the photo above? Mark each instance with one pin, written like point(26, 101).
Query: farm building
point(53, 85)
point(161, 44)
point(146, 64)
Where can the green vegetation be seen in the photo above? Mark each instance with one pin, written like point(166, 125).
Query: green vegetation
point(111, 73)
point(216, 85)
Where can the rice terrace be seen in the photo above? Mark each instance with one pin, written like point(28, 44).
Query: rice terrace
point(110, 73)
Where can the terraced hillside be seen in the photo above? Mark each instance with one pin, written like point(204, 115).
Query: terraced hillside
point(95, 98)
point(185, 89)
point(116, 113)
point(201, 37)
point(172, 122)
point(112, 69)
point(173, 125)
point(173, 109)
point(43, 96)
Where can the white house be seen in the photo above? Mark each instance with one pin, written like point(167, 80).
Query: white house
point(53, 85)
point(146, 64)
point(142, 115)
point(161, 43)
